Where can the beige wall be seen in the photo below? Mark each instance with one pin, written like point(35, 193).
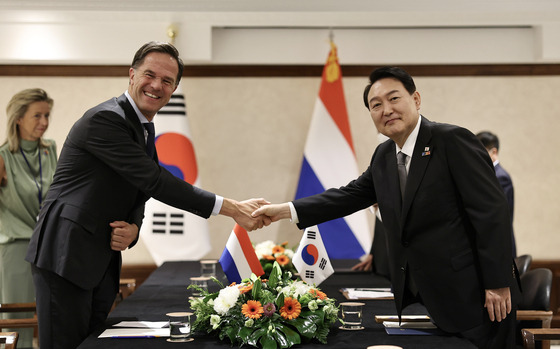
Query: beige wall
point(249, 135)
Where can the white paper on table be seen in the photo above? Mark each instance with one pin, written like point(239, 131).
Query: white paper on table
point(142, 324)
point(134, 333)
point(368, 293)
point(413, 324)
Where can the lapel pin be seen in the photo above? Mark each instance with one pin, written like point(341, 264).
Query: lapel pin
point(426, 151)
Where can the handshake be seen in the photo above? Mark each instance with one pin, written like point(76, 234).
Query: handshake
point(254, 214)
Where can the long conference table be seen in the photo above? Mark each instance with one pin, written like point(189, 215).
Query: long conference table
point(166, 291)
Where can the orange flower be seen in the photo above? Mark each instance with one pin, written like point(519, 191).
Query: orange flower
point(318, 294)
point(245, 288)
point(253, 309)
point(277, 249)
point(269, 257)
point(291, 308)
point(283, 260)
point(284, 244)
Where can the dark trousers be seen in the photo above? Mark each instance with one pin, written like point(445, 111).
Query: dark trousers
point(66, 313)
point(494, 335)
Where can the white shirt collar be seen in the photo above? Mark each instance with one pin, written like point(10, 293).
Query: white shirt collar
point(141, 116)
point(408, 147)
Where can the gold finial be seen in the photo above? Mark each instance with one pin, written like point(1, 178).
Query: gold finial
point(172, 33)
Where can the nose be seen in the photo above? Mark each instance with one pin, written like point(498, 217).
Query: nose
point(387, 109)
point(44, 121)
point(156, 83)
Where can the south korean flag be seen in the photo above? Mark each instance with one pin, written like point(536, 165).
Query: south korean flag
point(311, 259)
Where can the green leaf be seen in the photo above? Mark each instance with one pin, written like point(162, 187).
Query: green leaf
point(268, 342)
point(245, 334)
point(257, 286)
point(256, 336)
point(275, 275)
point(292, 337)
point(280, 301)
point(305, 326)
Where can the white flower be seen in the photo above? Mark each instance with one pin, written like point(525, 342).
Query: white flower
point(289, 253)
point(226, 299)
point(249, 323)
point(263, 248)
point(215, 321)
point(313, 305)
point(296, 289)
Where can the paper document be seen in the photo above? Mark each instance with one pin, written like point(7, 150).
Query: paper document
point(142, 324)
point(412, 328)
point(367, 293)
point(134, 333)
point(405, 318)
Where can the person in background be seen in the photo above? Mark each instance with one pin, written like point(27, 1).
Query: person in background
point(492, 145)
point(27, 165)
point(108, 168)
point(448, 235)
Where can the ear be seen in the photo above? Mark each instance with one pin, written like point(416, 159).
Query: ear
point(417, 99)
point(131, 73)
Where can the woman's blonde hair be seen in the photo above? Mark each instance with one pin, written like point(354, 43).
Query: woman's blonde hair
point(16, 109)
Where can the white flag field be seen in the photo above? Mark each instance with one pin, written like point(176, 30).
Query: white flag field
point(311, 259)
point(171, 234)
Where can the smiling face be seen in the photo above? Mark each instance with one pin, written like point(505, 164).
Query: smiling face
point(393, 110)
point(33, 124)
point(153, 82)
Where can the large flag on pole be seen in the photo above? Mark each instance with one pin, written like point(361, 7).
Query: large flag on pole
point(239, 259)
point(329, 161)
point(171, 234)
point(311, 259)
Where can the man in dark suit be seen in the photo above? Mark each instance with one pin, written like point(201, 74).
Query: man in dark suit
point(447, 228)
point(94, 209)
point(492, 144)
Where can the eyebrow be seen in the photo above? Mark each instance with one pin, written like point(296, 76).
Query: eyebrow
point(387, 94)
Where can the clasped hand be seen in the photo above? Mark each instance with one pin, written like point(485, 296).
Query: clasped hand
point(122, 235)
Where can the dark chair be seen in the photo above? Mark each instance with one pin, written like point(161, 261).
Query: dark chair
point(534, 307)
point(30, 322)
point(523, 263)
point(126, 287)
point(9, 339)
point(532, 335)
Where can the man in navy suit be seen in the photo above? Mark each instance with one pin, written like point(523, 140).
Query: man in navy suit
point(492, 144)
point(448, 229)
point(95, 205)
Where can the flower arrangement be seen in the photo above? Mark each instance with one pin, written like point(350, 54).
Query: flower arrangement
point(269, 252)
point(278, 312)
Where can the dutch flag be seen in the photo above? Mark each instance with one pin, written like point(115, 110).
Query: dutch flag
point(239, 259)
point(330, 162)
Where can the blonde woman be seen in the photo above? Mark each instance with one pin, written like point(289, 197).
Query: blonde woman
point(27, 164)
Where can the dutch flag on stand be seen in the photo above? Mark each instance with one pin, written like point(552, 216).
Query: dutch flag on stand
point(330, 162)
point(239, 259)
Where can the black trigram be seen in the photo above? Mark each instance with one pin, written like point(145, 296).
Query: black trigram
point(309, 274)
point(323, 263)
point(311, 235)
point(162, 224)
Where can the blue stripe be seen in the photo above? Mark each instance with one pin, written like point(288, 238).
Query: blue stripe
point(229, 267)
point(340, 242)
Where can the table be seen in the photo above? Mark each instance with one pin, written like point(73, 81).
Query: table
point(166, 291)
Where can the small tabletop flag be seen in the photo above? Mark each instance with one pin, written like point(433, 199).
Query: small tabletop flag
point(311, 258)
point(239, 259)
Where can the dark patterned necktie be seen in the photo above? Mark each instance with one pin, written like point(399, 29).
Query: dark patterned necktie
point(401, 167)
point(150, 141)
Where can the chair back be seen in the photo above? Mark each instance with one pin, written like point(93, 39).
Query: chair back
point(9, 339)
point(18, 322)
point(523, 263)
point(536, 285)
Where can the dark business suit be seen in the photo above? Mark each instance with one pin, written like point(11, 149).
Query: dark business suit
point(103, 175)
point(450, 234)
point(507, 185)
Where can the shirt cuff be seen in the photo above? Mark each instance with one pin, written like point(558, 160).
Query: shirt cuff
point(293, 212)
point(217, 205)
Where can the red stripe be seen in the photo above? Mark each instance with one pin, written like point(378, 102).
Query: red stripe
point(332, 95)
point(248, 250)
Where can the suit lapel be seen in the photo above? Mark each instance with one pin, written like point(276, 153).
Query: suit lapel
point(132, 118)
point(419, 162)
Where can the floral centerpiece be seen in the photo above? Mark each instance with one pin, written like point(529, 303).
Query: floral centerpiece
point(269, 252)
point(278, 312)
